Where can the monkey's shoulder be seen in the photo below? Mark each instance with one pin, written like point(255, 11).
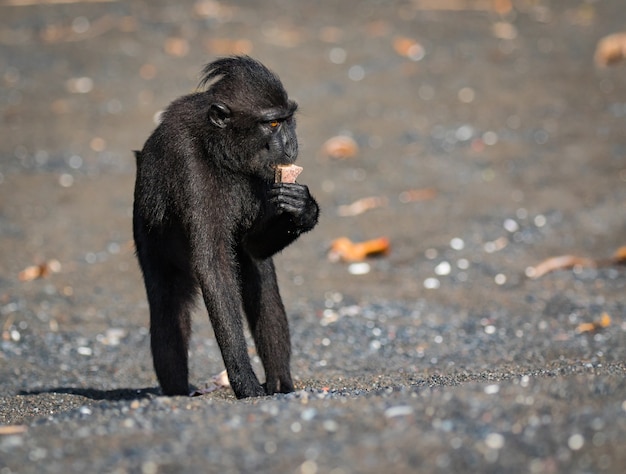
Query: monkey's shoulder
point(187, 108)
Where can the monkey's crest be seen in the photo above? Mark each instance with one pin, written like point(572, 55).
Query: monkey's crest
point(247, 76)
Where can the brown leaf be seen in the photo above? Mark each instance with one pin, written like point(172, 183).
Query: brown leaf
point(461, 5)
point(178, 47)
point(558, 263)
point(610, 50)
point(413, 195)
point(217, 382)
point(408, 48)
point(570, 261)
point(39, 271)
point(345, 250)
point(283, 35)
point(340, 147)
point(225, 46)
point(214, 9)
point(362, 205)
point(603, 322)
point(13, 429)
point(620, 255)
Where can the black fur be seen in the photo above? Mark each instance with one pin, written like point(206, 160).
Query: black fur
point(208, 216)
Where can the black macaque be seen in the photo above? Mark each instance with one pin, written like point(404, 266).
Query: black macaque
point(208, 216)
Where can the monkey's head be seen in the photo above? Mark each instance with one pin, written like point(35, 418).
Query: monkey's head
point(251, 117)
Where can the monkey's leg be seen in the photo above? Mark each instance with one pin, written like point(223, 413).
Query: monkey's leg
point(222, 296)
point(170, 295)
point(268, 322)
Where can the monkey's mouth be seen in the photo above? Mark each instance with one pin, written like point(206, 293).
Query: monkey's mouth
point(288, 159)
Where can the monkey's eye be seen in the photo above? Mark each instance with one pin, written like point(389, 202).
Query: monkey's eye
point(274, 123)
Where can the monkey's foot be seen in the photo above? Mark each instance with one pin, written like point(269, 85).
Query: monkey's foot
point(278, 385)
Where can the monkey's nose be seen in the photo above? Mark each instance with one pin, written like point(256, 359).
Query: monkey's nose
point(291, 151)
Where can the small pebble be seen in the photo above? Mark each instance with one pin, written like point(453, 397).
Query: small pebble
point(511, 226)
point(540, 220)
point(494, 441)
point(457, 244)
point(402, 410)
point(431, 283)
point(296, 427)
point(576, 442)
point(361, 268)
point(331, 426)
point(467, 95)
point(492, 389)
point(443, 268)
point(83, 350)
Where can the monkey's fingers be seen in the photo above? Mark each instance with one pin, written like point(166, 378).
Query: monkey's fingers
point(291, 205)
point(289, 189)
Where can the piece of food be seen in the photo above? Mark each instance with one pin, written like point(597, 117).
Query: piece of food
point(287, 173)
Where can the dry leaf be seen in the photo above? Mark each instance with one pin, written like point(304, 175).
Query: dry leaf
point(460, 5)
point(502, 7)
point(361, 205)
point(620, 255)
point(217, 382)
point(408, 48)
point(39, 271)
point(558, 263)
point(221, 379)
point(178, 47)
point(603, 322)
point(340, 147)
point(413, 195)
point(504, 30)
point(345, 250)
point(214, 9)
point(570, 261)
point(285, 36)
point(610, 49)
point(225, 46)
point(68, 33)
point(496, 245)
point(378, 28)
point(13, 429)
point(147, 71)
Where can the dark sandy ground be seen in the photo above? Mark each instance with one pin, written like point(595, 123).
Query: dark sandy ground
point(443, 355)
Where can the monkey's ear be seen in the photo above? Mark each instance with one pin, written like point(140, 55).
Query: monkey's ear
point(219, 114)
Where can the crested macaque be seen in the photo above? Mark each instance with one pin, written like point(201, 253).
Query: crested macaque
point(208, 216)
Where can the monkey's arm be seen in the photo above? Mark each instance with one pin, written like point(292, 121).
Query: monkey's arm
point(290, 211)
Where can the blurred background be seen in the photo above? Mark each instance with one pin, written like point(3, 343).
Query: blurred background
point(456, 147)
point(485, 121)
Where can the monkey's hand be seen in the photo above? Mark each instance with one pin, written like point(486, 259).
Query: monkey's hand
point(295, 200)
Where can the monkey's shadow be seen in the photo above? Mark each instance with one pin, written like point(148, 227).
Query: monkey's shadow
point(120, 394)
